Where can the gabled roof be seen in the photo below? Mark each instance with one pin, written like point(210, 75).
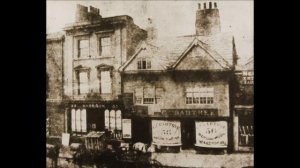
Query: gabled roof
point(196, 42)
point(169, 51)
point(141, 46)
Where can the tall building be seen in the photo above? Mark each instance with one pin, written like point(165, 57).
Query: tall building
point(93, 50)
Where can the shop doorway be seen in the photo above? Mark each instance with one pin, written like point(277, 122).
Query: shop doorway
point(95, 119)
point(188, 133)
point(141, 130)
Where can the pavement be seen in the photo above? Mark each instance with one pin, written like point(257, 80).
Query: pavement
point(186, 159)
point(191, 159)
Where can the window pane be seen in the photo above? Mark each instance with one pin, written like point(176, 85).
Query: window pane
point(138, 95)
point(77, 121)
point(83, 48)
point(105, 46)
point(148, 100)
point(118, 120)
point(105, 41)
point(148, 64)
point(202, 100)
point(73, 119)
point(105, 82)
point(83, 120)
point(139, 65)
point(106, 118)
point(112, 122)
point(83, 82)
point(105, 50)
point(143, 64)
point(83, 44)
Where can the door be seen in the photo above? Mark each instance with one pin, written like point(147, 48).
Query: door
point(187, 133)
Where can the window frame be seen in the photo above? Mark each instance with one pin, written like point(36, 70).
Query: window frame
point(202, 98)
point(144, 64)
point(101, 46)
point(78, 71)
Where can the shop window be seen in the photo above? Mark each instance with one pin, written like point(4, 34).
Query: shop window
point(246, 131)
point(78, 121)
point(83, 48)
point(113, 122)
point(199, 96)
point(105, 46)
point(144, 63)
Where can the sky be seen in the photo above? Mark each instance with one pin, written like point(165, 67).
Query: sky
point(171, 18)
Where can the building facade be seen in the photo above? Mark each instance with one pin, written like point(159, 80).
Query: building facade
point(54, 84)
point(95, 47)
point(244, 107)
point(180, 88)
point(179, 94)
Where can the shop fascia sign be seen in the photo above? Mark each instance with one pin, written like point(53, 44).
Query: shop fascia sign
point(94, 105)
point(190, 112)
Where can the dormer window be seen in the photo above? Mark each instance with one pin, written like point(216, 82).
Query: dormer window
point(143, 63)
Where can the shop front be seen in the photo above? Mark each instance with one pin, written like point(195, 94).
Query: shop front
point(86, 116)
point(244, 128)
point(201, 130)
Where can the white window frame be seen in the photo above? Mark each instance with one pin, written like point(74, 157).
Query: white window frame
point(199, 95)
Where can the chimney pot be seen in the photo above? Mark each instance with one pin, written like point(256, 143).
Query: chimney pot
point(210, 5)
point(199, 5)
point(204, 5)
point(215, 4)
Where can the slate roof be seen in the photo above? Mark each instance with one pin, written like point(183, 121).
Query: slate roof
point(169, 50)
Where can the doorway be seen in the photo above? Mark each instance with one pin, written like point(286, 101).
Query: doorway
point(188, 133)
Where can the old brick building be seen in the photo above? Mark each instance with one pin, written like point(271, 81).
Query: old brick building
point(95, 47)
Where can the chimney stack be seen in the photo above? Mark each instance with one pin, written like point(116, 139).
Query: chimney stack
point(199, 5)
point(207, 20)
point(83, 15)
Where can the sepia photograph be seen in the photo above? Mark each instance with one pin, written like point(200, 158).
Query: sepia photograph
point(149, 84)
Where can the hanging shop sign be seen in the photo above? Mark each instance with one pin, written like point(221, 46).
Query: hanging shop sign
point(166, 133)
point(126, 131)
point(190, 112)
point(211, 134)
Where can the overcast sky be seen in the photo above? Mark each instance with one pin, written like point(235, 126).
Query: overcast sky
point(171, 18)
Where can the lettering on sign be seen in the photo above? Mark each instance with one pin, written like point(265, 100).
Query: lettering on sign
point(211, 134)
point(166, 132)
point(190, 112)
